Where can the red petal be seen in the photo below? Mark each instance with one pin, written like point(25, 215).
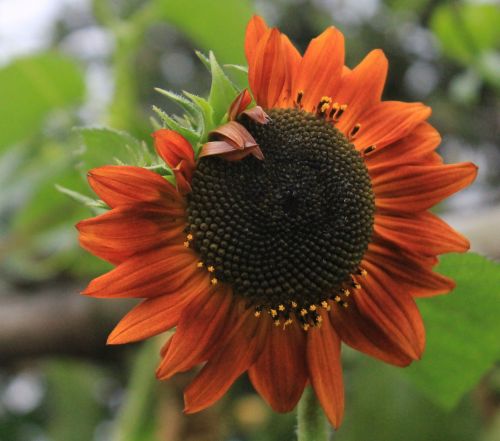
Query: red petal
point(422, 233)
point(130, 229)
point(198, 334)
point(413, 274)
point(150, 317)
point(415, 188)
point(320, 69)
point(381, 320)
point(121, 185)
point(150, 274)
point(325, 370)
point(280, 373)
point(227, 364)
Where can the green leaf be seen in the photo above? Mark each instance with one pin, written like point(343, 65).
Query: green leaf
point(466, 30)
point(74, 411)
point(32, 87)
point(213, 25)
point(105, 146)
point(462, 330)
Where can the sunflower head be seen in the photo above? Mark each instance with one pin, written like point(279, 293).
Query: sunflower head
point(294, 217)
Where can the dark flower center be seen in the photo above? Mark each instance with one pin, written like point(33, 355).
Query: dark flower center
point(292, 228)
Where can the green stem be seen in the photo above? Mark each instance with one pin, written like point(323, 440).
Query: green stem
point(312, 424)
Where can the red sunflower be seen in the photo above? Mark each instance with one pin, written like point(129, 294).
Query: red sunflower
point(302, 223)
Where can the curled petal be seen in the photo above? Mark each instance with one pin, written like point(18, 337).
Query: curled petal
point(183, 173)
point(176, 151)
point(240, 103)
point(257, 114)
point(233, 142)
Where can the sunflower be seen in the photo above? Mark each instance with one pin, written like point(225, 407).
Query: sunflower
point(301, 223)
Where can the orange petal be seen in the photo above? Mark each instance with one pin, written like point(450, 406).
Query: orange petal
point(130, 229)
point(362, 88)
point(232, 360)
point(280, 373)
point(320, 69)
point(415, 188)
point(416, 148)
point(150, 317)
point(121, 185)
point(267, 70)
point(414, 275)
point(387, 122)
point(256, 29)
point(325, 370)
point(199, 332)
point(150, 274)
point(422, 233)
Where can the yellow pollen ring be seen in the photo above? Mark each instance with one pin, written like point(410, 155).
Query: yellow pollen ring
point(273, 312)
point(312, 307)
point(281, 307)
point(214, 281)
point(189, 237)
point(210, 269)
point(257, 313)
point(186, 244)
point(294, 304)
point(200, 264)
point(303, 312)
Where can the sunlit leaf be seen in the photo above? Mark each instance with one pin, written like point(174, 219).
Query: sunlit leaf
point(212, 25)
point(462, 330)
point(466, 30)
point(32, 87)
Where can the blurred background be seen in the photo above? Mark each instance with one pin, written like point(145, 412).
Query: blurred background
point(69, 68)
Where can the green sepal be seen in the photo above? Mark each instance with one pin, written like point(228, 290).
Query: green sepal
point(191, 135)
point(188, 106)
point(207, 113)
point(96, 205)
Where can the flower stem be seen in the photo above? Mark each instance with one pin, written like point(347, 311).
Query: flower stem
point(312, 424)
